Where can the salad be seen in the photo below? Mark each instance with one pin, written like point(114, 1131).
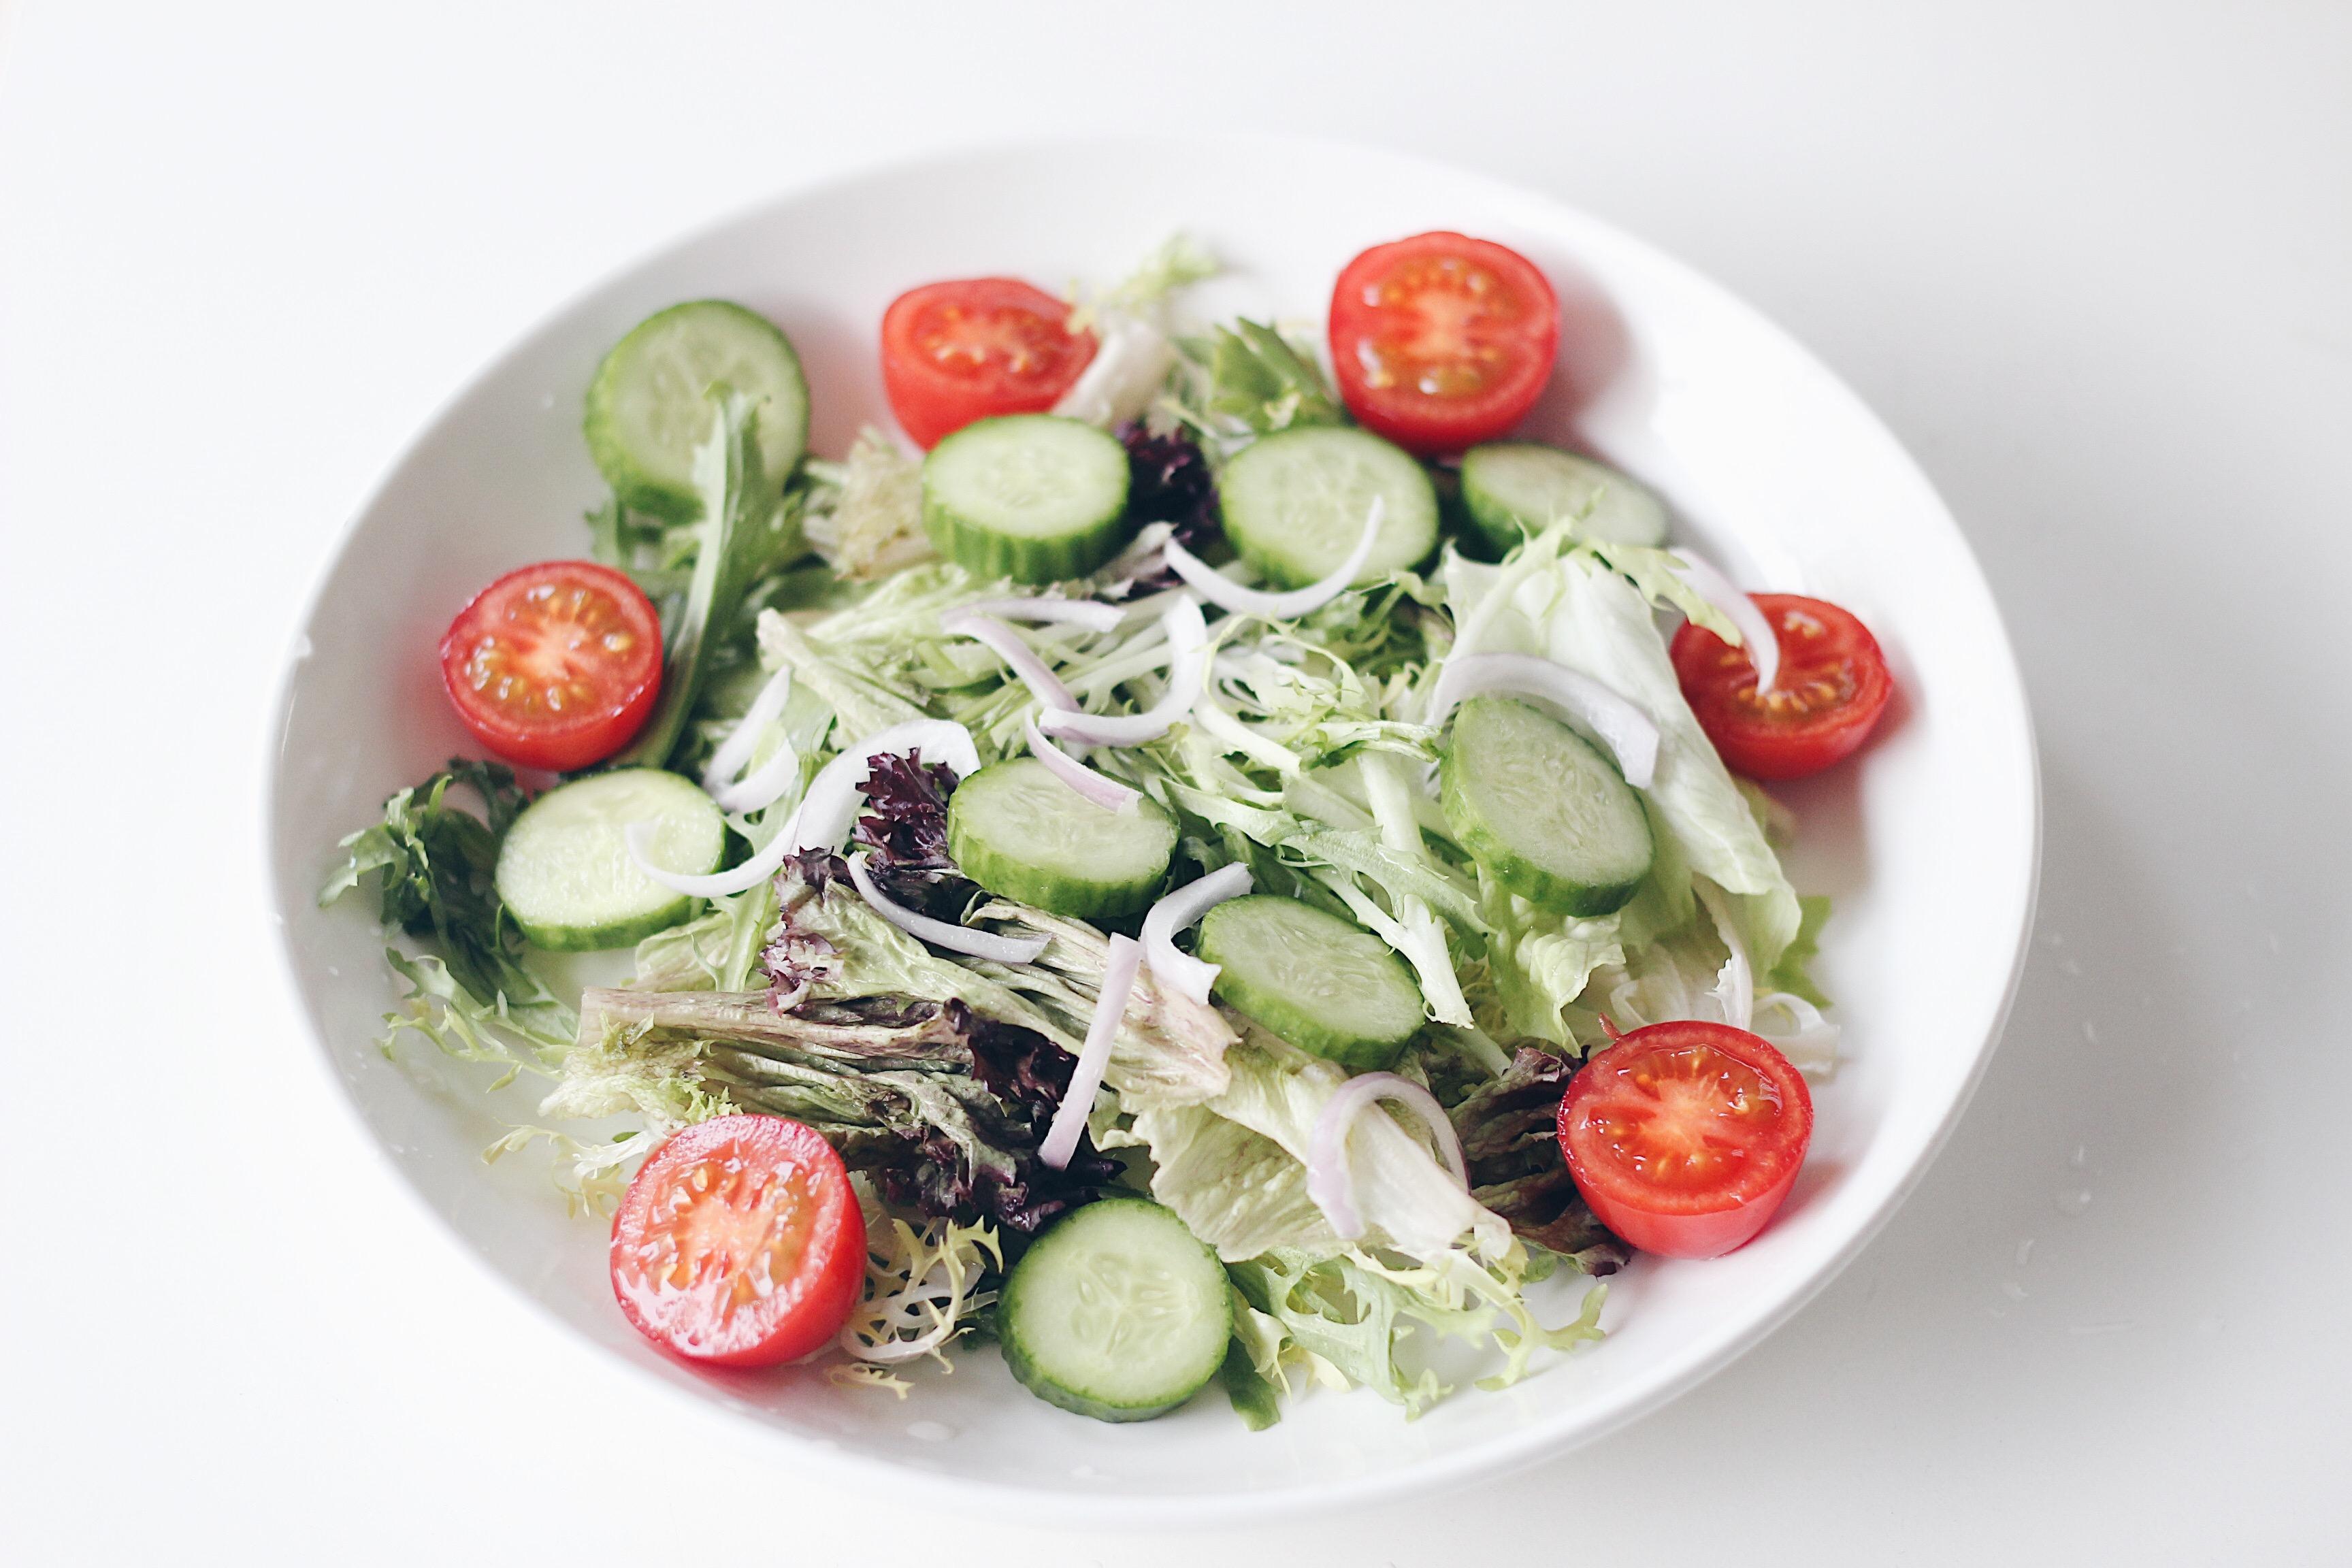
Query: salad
point(1219, 864)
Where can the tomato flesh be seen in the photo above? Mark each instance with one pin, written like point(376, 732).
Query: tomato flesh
point(1686, 1137)
point(1830, 690)
point(1441, 341)
point(739, 1243)
point(554, 666)
point(974, 348)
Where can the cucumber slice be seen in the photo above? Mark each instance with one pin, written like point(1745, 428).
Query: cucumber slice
point(1023, 834)
point(565, 873)
point(647, 407)
point(1542, 809)
point(1324, 984)
point(1033, 496)
point(1118, 1313)
point(1294, 504)
point(1512, 489)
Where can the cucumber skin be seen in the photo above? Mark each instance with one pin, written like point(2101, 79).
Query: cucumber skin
point(1008, 877)
point(987, 553)
point(605, 938)
point(639, 491)
point(1294, 1023)
point(1546, 890)
point(1037, 1382)
point(1285, 574)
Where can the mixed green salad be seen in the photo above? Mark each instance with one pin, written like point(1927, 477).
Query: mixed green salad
point(1220, 867)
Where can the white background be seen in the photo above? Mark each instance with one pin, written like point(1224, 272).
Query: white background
point(2093, 264)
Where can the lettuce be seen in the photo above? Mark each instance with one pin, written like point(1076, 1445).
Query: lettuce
point(747, 529)
point(1234, 1167)
point(866, 519)
point(435, 865)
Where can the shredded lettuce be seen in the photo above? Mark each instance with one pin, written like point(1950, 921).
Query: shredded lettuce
point(866, 519)
point(923, 1287)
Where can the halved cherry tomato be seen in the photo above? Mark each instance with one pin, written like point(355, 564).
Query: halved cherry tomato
point(1685, 1137)
point(554, 666)
point(739, 1243)
point(1832, 687)
point(953, 352)
point(1441, 341)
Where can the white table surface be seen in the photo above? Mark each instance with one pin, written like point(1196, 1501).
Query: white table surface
point(2093, 264)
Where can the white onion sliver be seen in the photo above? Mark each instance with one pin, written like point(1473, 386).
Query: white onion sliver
point(1002, 640)
point(1627, 730)
point(1330, 1181)
point(1169, 966)
point(764, 785)
point(1110, 1010)
point(736, 748)
point(1106, 792)
point(638, 835)
point(829, 810)
point(1227, 595)
point(1188, 636)
point(1092, 614)
point(1734, 987)
point(1756, 633)
point(943, 933)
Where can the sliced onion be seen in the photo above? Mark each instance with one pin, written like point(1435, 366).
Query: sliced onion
point(1735, 986)
point(1626, 730)
point(1091, 614)
point(1106, 792)
point(764, 785)
point(1188, 635)
point(1227, 595)
point(736, 748)
point(1034, 671)
point(825, 815)
point(1330, 1181)
point(1756, 633)
point(829, 810)
point(943, 933)
point(1809, 1042)
point(1180, 909)
point(1110, 1010)
point(639, 836)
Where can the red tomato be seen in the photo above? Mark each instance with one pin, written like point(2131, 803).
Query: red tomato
point(739, 1243)
point(1441, 341)
point(1832, 687)
point(1685, 1137)
point(954, 353)
point(554, 666)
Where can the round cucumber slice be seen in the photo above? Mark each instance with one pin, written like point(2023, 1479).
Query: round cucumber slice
point(1118, 1313)
point(1324, 984)
point(1542, 809)
point(1033, 496)
point(648, 407)
point(1512, 489)
point(1294, 504)
point(565, 872)
point(1023, 834)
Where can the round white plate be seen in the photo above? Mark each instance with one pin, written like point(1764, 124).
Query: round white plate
point(1928, 842)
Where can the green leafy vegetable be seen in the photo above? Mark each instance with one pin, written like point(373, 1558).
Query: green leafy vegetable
point(1794, 973)
point(747, 529)
point(435, 865)
point(1248, 380)
point(866, 520)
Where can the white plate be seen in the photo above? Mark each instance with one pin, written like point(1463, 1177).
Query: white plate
point(1928, 843)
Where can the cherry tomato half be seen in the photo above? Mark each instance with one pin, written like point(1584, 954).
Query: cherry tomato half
point(1685, 1137)
point(554, 666)
point(953, 352)
point(1832, 687)
point(739, 1243)
point(1441, 341)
